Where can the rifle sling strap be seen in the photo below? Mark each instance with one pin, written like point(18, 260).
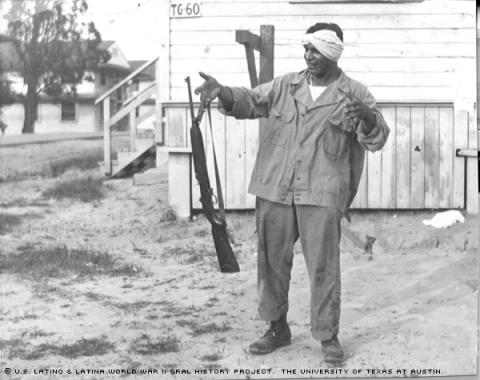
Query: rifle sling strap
point(221, 206)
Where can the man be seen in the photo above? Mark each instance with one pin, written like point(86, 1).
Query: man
point(308, 166)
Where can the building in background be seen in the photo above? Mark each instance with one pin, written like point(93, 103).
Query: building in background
point(79, 114)
point(417, 57)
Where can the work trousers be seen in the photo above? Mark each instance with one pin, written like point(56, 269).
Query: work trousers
point(278, 227)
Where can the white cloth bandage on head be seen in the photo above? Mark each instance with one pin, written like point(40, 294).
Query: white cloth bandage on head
point(326, 42)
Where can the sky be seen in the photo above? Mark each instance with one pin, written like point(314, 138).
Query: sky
point(131, 23)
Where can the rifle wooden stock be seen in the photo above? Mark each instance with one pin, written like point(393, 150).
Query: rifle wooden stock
point(225, 255)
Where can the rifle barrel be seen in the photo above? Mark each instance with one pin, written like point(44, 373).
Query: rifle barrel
point(190, 99)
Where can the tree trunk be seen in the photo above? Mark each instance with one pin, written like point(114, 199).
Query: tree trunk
point(31, 76)
point(30, 104)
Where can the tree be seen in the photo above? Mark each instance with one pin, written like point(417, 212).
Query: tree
point(6, 94)
point(6, 98)
point(57, 49)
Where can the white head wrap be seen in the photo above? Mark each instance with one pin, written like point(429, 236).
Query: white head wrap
point(326, 42)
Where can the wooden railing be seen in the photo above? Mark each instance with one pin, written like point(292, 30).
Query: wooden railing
point(116, 98)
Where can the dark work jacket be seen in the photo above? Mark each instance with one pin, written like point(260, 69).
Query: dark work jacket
point(308, 152)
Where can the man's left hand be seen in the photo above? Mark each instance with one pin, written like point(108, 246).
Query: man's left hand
point(356, 110)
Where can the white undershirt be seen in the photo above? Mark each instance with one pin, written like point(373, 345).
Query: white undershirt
point(316, 91)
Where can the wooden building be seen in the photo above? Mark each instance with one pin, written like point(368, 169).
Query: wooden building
point(416, 57)
point(77, 114)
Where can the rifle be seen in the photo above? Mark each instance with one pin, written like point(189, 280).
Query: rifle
point(225, 255)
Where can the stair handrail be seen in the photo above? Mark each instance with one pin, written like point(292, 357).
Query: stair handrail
point(108, 119)
point(132, 103)
point(125, 80)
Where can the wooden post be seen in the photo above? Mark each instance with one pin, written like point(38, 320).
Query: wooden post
point(107, 137)
point(133, 129)
point(267, 41)
point(252, 70)
point(264, 44)
point(251, 42)
point(159, 124)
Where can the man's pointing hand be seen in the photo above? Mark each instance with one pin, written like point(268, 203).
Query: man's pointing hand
point(210, 89)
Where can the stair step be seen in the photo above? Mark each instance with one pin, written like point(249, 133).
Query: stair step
point(141, 161)
point(141, 143)
point(146, 134)
point(126, 157)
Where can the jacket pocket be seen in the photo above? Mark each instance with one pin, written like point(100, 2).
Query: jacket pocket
point(278, 126)
point(335, 143)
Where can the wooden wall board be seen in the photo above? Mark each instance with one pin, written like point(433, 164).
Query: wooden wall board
point(402, 157)
point(285, 8)
point(417, 149)
point(374, 179)
point(361, 199)
point(432, 159)
point(460, 137)
point(179, 184)
point(220, 140)
point(177, 127)
point(446, 156)
point(445, 50)
point(367, 21)
point(388, 161)
point(235, 163)
point(472, 186)
point(251, 148)
point(351, 65)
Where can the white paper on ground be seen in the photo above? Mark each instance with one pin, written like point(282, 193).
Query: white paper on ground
point(445, 219)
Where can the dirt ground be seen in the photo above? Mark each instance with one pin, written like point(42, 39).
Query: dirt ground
point(413, 307)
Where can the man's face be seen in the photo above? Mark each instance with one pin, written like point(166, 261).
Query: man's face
point(317, 63)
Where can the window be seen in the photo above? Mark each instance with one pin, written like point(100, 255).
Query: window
point(136, 85)
point(69, 111)
point(103, 78)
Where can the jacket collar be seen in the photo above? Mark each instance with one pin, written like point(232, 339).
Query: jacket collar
point(301, 93)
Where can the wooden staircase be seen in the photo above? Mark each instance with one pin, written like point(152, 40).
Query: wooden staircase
point(122, 101)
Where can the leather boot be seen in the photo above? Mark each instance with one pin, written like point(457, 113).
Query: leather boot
point(277, 335)
point(332, 351)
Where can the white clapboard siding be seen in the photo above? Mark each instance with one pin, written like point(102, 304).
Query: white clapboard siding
point(420, 50)
point(402, 51)
point(393, 79)
point(377, 66)
point(277, 7)
point(365, 37)
point(345, 20)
